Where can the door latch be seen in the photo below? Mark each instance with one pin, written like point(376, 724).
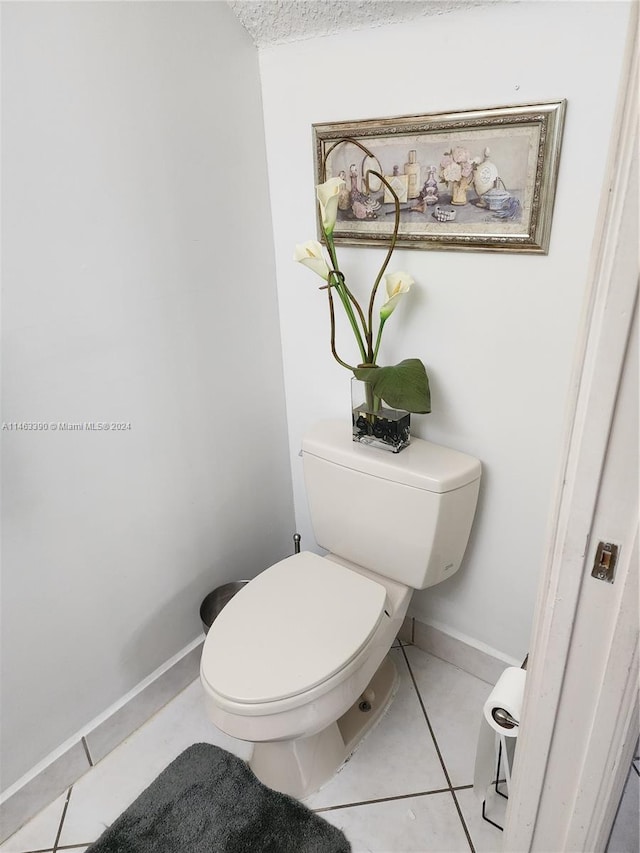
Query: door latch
point(604, 565)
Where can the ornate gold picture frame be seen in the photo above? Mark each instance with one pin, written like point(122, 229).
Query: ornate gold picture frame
point(480, 180)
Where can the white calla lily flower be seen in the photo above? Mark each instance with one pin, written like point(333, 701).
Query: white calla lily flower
point(327, 195)
point(401, 386)
point(397, 283)
point(310, 254)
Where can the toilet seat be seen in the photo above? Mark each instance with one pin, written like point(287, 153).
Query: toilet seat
point(290, 629)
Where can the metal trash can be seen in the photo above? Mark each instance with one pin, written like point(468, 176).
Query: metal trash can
point(216, 600)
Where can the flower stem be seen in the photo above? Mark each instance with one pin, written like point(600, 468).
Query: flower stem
point(392, 246)
point(377, 346)
point(344, 298)
point(356, 304)
point(333, 333)
point(345, 294)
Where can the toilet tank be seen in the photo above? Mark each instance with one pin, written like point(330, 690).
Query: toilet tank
point(406, 516)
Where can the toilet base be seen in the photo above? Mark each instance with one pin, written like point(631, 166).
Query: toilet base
point(300, 767)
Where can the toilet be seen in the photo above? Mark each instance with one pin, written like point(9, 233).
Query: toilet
point(298, 661)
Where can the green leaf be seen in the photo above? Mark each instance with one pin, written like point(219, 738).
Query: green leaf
point(403, 386)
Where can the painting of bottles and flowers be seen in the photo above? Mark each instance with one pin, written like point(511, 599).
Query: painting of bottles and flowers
point(479, 180)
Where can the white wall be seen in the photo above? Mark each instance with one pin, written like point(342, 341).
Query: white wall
point(138, 287)
point(496, 331)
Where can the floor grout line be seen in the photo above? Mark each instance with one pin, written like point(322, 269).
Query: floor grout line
point(82, 845)
point(381, 800)
point(39, 850)
point(59, 830)
point(437, 747)
point(463, 821)
point(391, 798)
point(426, 717)
point(63, 816)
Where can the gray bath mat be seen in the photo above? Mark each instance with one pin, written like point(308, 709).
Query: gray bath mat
point(209, 801)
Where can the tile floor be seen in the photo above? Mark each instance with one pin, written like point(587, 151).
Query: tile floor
point(406, 790)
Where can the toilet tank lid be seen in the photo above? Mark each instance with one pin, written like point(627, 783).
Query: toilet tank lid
point(422, 464)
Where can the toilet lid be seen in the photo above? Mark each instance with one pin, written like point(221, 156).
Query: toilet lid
point(289, 629)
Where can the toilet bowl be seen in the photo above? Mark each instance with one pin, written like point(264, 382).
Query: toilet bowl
point(297, 663)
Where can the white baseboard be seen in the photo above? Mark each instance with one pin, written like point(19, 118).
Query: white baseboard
point(72, 759)
point(464, 652)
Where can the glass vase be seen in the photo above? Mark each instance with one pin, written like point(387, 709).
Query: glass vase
point(376, 424)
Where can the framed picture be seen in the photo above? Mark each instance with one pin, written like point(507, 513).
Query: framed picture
point(481, 180)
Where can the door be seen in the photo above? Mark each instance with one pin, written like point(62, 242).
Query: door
point(580, 717)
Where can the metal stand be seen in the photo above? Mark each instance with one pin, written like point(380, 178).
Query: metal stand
point(507, 769)
point(496, 783)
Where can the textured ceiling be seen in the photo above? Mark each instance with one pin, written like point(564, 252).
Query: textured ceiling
point(279, 21)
